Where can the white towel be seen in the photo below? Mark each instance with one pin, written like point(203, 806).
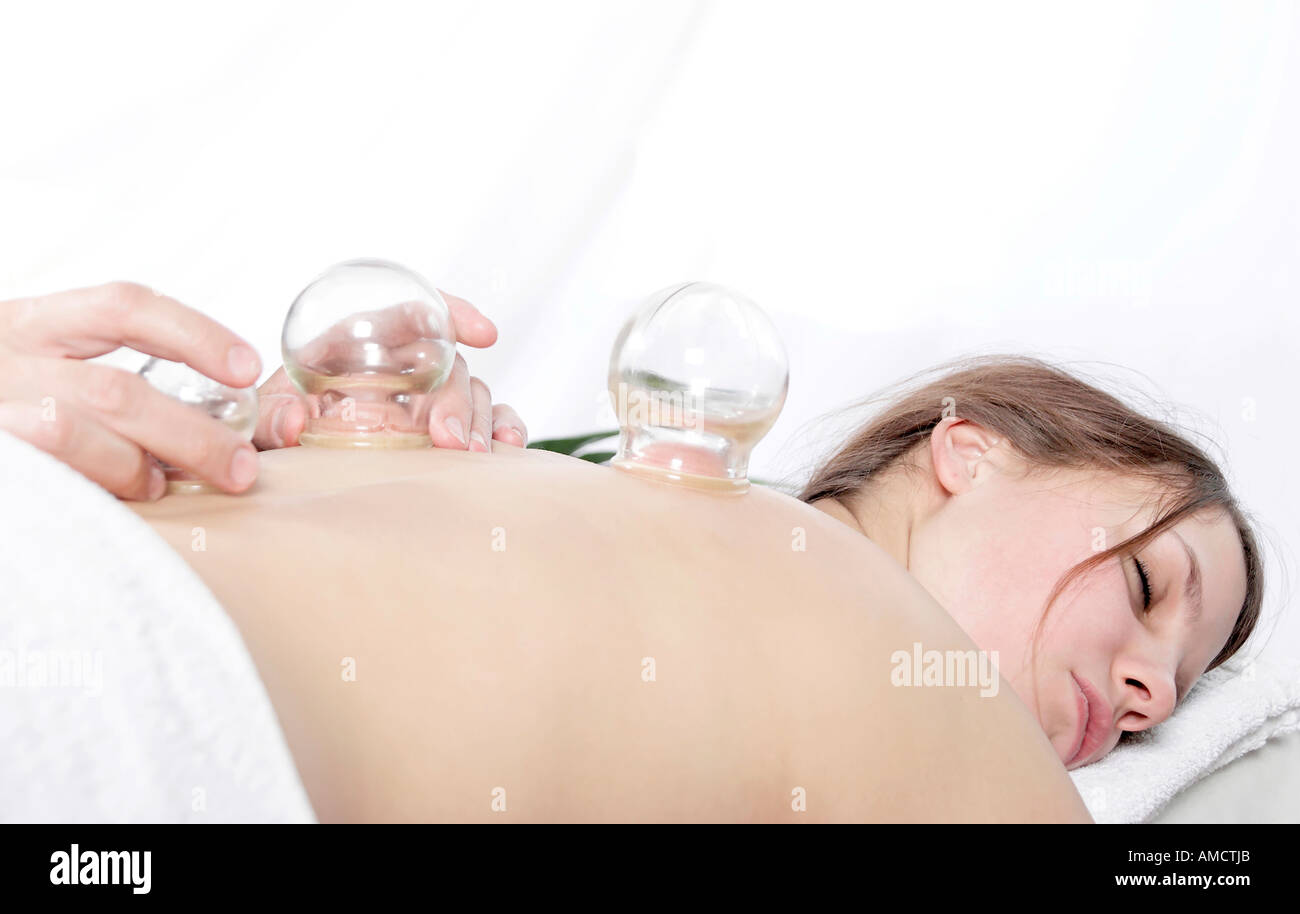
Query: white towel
point(126, 693)
point(1231, 710)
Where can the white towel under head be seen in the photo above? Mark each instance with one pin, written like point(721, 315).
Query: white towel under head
point(1231, 710)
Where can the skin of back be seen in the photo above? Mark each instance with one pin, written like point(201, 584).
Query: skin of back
point(522, 636)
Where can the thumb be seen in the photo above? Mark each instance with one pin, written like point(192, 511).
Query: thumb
point(281, 413)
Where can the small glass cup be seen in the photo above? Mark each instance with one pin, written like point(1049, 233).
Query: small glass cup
point(697, 377)
point(367, 342)
point(234, 406)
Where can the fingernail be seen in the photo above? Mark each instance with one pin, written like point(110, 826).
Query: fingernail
point(507, 434)
point(476, 438)
point(457, 430)
point(244, 362)
point(157, 484)
point(243, 469)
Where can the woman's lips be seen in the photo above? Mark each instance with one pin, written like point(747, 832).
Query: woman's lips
point(1093, 721)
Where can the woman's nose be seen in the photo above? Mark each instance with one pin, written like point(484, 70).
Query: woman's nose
point(1148, 698)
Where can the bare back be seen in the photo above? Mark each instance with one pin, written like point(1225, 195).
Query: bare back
point(523, 636)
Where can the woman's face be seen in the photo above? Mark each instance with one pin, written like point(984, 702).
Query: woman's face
point(991, 546)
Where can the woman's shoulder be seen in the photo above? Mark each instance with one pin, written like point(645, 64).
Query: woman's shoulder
point(893, 713)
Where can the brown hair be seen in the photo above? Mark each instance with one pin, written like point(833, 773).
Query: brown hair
point(1053, 420)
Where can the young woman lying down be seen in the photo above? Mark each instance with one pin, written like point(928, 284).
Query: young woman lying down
point(454, 635)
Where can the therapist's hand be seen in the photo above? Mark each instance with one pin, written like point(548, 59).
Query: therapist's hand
point(105, 422)
point(462, 417)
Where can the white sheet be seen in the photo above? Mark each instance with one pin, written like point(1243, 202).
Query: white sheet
point(1261, 787)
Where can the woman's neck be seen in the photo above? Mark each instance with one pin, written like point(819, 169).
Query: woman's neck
point(883, 513)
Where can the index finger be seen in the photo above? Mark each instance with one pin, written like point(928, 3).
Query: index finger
point(84, 323)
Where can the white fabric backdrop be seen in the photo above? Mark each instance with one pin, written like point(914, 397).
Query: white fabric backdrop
point(1109, 183)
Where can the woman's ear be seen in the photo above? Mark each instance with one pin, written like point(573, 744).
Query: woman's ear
point(957, 451)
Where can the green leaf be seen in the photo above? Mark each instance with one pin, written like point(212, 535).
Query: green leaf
point(598, 456)
point(570, 445)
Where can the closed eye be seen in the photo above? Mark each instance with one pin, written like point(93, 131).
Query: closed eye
point(1146, 584)
point(1145, 578)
